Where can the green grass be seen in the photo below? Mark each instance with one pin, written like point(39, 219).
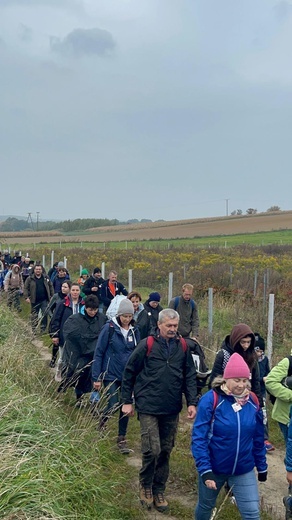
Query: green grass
point(280, 237)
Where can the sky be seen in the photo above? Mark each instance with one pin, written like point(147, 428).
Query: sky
point(157, 109)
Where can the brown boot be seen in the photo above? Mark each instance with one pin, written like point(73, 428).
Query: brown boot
point(160, 503)
point(146, 497)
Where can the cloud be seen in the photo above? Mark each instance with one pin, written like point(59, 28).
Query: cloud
point(51, 3)
point(24, 33)
point(84, 42)
point(283, 10)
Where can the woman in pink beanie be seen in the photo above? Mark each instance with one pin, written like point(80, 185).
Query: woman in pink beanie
point(228, 442)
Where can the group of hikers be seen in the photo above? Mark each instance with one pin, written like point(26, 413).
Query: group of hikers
point(107, 343)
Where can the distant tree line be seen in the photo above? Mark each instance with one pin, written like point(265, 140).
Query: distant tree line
point(67, 226)
point(253, 211)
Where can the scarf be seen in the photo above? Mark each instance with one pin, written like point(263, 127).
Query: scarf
point(240, 399)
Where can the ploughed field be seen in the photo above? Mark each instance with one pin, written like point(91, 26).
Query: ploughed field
point(206, 227)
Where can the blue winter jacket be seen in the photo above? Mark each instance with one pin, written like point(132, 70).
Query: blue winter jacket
point(113, 351)
point(225, 441)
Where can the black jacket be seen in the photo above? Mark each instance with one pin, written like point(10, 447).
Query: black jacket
point(80, 334)
point(159, 378)
point(152, 313)
point(61, 314)
point(106, 295)
point(220, 363)
point(143, 323)
point(93, 282)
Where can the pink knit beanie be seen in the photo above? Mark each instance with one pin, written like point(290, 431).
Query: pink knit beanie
point(236, 367)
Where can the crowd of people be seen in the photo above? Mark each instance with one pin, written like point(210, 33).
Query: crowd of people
point(105, 341)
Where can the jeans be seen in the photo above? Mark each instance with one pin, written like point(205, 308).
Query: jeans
point(244, 488)
point(35, 308)
point(284, 431)
point(157, 441)
point(112, 389)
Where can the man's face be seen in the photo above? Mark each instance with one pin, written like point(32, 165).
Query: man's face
point(38, 270)
point(112, 277)
point(62, 273)
point(168, 328)
point(91, 312)
point(97, 275)
point(187, 294)
point(154, 305)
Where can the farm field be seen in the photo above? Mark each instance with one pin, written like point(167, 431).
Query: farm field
point(261, 229)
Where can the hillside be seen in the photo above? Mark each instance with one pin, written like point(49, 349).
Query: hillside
point(206, 227)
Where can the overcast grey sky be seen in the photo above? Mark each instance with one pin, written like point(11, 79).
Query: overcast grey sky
point(158, 109)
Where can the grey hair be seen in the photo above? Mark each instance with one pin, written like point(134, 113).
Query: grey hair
point(165, 314)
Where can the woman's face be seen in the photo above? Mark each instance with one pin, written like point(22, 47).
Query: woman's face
point(245, 343)
point(135, 301)
point(75, 292)
point(237, 385)
point(65, 288)
point(126, 320)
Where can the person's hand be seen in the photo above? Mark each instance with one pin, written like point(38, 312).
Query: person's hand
point(289, 477)
point(128, 409)
point(262, 477)
point(211, 484)
point(55, 341)
point(97, 385)
point(27, 300)
point(191, 412)
point(94, 289)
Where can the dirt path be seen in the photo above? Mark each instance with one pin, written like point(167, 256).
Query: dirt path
point(271, 492)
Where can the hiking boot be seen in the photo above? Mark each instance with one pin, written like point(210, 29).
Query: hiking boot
point(146, 497)
point(122, 445)
point(160, 503)
point(52, 363)
point(287, 501)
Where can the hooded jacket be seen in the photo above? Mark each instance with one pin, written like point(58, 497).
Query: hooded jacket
point(113, 351)
point(159, 378)
point(230, 343)
point(225, 441)
point(13, 279)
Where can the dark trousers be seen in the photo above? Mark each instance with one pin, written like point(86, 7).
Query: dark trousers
point(157, 441)
point(35, 308)
point(112, 389)
point(13, 298)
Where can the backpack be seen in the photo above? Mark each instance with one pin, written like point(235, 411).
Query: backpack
point(176, 302)
point(150, 341)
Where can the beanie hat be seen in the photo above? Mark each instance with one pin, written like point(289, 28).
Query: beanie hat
point(240, 331)
point(84, 271)
point(154, 297)
point(125, 307)
point(61, 265)
point(236, 367)
point(259, 342)
point(96, 270)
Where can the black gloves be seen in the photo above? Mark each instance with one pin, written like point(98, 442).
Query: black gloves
point(262, 477)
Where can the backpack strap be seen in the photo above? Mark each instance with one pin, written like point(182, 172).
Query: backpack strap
point(215, 399)
point(150, 341)
point(290, 366)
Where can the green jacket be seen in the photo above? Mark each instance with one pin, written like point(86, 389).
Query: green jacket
point(281, 408)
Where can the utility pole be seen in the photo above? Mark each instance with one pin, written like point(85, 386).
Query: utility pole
point(29, 219)
point(37, 222)
point(227, 212)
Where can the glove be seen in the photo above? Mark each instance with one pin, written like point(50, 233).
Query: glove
point(209, 475)
point(262, 477)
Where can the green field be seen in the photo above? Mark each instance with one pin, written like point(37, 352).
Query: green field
point(281, 237)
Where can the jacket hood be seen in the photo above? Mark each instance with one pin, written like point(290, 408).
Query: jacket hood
point(15, 269)
point(240, 331)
